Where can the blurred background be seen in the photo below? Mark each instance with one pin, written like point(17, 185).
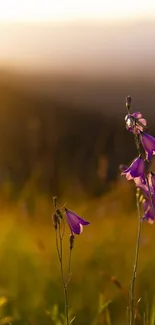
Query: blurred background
point(65, 70)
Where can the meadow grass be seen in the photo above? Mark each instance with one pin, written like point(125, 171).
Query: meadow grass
point(102, 260)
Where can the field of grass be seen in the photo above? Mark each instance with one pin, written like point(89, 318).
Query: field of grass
point(102, 260)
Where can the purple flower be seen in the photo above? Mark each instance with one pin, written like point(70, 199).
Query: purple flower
point(151, 180)
point(149, 211)
point(141, 183)
point(148, 143)
point(136, 169)
point(75, 222)
point(135, 122)
point(148, 185)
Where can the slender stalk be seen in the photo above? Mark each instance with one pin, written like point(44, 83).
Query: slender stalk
point(60, 235)
point(69, 263)
point(69, 267)
point(59, 225)
point(57, 246)
point(132, 287)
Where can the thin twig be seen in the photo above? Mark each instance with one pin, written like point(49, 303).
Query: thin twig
point(132, 288)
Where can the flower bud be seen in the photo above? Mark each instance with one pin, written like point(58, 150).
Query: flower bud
point(128, 102)
point(55, 219)
point(71, 240)
point(55, 201)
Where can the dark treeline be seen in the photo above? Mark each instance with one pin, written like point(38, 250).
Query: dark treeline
point(59, 142)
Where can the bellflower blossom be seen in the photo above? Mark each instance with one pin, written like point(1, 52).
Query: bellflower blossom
point(75, 222)
point(138, 172)
point(148, 208)
point(151, 179)
point(150, 182)
point(148, 143)
point(135, 122)
point(136, 169)
point(142, 186)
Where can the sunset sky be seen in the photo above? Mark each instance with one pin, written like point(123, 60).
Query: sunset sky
point(65, 10)
point(81, 35)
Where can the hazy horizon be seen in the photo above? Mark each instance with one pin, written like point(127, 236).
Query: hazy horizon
point(86, 47)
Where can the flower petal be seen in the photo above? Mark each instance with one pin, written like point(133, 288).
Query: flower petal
point(82, 221)
point(136, 169)
point(151, 180)
point(75, 222)
point(135, 122)
point(149, 213)
point(148, 143)
point(136, 114)
point(140, 183)
point(143, 121)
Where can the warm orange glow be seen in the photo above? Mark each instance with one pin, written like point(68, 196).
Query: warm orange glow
point(61, 10)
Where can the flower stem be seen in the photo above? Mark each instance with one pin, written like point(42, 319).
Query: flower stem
point(69, 267)
point(132, 287)
point(59, 246)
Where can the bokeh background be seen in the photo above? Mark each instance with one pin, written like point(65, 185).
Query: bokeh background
point(65, 70)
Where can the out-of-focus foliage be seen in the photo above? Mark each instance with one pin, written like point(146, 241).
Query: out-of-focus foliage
point(44, 134)
point(101, 262)
point(48, 147)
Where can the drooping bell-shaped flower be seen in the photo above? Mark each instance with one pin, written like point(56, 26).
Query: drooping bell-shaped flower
point(136, 169)
point(149, 210)
point(135, 122)
point(142, 184)
point(75, 222)
point(147, 186)
point(148, 143)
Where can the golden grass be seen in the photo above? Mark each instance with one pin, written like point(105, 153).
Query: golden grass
point(103, 254)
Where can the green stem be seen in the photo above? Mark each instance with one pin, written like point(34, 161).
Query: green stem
point(69, 267)
point(60, 255)
point(132, 287)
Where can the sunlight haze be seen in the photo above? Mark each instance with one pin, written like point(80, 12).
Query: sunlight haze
point(65, 10)
point(78, 36)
